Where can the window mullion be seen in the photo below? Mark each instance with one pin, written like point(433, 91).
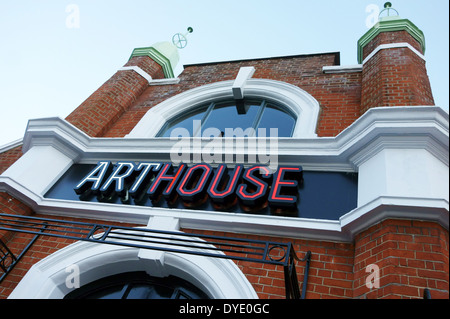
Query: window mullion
point(203, 120)
point(259, 116)
point(125, 291)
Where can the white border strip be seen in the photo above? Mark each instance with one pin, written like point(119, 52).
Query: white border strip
point(139, 71)
point(149, 79)
point(393, 46)
point(331, 69)
point(11, 145)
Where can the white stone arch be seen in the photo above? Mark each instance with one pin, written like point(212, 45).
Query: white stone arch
point(303, 105)
point(218, 278)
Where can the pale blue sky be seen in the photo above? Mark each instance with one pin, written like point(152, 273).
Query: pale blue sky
point(50, 61)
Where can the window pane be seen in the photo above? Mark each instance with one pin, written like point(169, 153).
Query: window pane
point(226, 115)
point(149, 291)
point(141, 291)
point(114, 292)
point(231, 119)
point(186, 122)
point(275, 118)
point(137, 285)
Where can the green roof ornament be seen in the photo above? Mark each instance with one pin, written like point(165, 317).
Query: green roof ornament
point(165, 53)
point(180, 40)
point(390, 22)
point(387, 10)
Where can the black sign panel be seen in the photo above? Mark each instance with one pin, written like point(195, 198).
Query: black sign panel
point(289, 191)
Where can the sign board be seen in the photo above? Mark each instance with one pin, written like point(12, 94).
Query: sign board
point(288, 191)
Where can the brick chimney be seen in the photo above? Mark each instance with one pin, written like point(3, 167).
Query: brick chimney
point(100, 110)
point(393, 72)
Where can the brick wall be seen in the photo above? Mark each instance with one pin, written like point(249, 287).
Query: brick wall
point(10, 205)
point(9, 157)
point(396, 76)
point(411, 256)
point(391, 37)
point(339, 95)
point(107, 104)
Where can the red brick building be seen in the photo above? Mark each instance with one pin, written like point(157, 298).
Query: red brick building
point(359, 181)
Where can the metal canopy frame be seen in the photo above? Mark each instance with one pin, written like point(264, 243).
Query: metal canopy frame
point(267, 252)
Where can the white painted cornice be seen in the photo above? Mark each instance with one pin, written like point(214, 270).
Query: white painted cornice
point(393, 127)
point(343, 229)
point(9, 146)
point(380, 129)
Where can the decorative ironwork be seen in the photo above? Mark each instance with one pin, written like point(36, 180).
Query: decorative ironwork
point(268, 252)
point(8, 260)
point(387, 9)
point(180, 39)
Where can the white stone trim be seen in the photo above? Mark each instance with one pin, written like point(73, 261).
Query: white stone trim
point(299, 102)
point(139, 71)
point(345, 152)
point(393, 46)
point(334, 69)
point(385, 207)
point(165, 81)
point(244, 74)
point(40, 167)
point(147, 77)
point(218, 278)
point(9, 146)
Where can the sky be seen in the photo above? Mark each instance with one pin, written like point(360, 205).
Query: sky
point(54, 53)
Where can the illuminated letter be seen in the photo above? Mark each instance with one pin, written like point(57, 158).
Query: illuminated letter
point(165, 176)
point(193, 184)
point(252, 191)
point(290, 184)
point(138, 189)
point(95, 177)
point(118, 177)
point(226, 194)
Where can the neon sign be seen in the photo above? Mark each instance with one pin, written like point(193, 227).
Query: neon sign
point(252, 188)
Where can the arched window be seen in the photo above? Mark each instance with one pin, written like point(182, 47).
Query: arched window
point(267, 104)
point(253, 117)
point(137, 285)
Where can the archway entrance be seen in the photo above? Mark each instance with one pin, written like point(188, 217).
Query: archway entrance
point(137, 285)
point(206, 277)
